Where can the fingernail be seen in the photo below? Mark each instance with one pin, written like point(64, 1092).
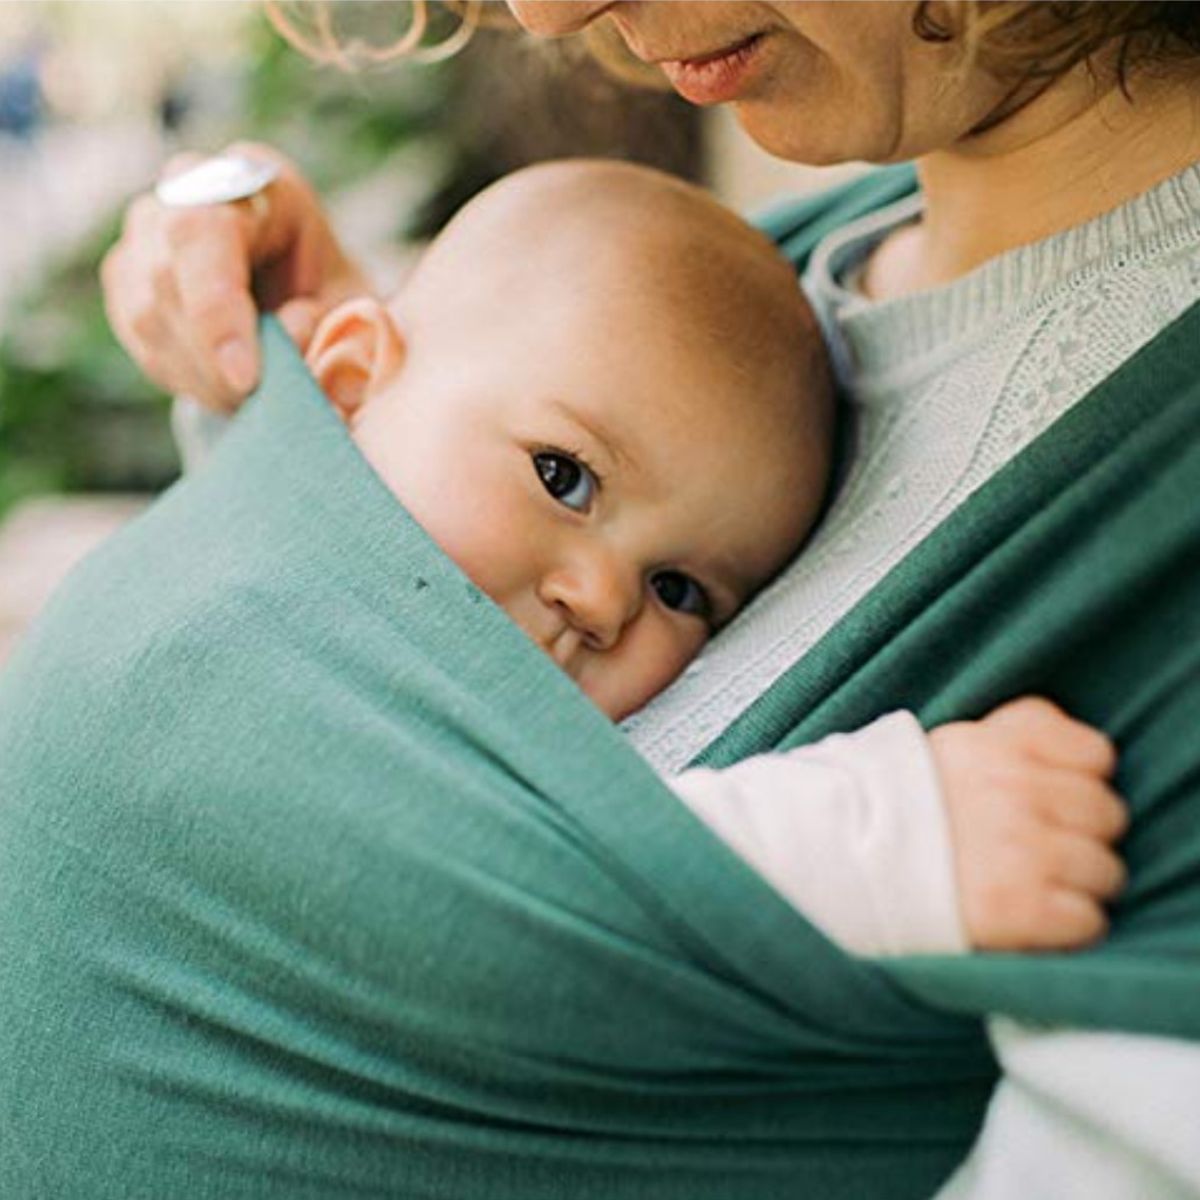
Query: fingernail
point(236, 360)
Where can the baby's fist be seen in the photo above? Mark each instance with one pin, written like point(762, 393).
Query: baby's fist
point(1032, 823)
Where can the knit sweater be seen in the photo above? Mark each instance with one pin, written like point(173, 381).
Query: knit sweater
point(944, 388)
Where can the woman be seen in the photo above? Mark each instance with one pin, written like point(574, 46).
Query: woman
point(1057, 234)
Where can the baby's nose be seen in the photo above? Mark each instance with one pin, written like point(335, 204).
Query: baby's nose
point(598, 596)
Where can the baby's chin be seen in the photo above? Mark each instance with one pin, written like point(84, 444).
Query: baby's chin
point(619, 681)
point(618, 699)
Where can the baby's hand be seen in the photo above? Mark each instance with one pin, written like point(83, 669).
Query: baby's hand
point(1032, 824)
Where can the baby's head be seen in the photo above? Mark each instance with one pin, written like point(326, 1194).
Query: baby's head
point(604, 397)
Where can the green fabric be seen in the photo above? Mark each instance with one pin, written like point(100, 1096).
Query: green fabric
point(797, 226)
point(1073, 574)
point(317, 879)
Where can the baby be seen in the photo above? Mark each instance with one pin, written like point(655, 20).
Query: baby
point(604, 397)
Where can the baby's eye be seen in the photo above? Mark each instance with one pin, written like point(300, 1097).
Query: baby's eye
point(566, 479)
point(681, 593)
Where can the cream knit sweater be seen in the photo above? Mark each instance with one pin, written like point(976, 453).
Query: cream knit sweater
point(946, 386)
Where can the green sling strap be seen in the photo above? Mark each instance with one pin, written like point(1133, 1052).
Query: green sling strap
point(1074, 574)
point(317, 879)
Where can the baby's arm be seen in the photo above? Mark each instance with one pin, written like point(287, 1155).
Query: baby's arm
point(994, 834)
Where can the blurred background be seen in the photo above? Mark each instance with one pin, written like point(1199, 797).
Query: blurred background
point(96, 94)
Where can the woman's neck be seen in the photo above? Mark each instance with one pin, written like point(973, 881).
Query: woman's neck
point(1074, 153)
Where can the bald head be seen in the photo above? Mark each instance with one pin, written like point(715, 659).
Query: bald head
point(628, 238)
point(562, 208)
point(604, 397)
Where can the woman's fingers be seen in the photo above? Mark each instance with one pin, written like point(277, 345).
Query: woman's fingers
point(182, 285)
point(137, 318)
point(210, 254)
point(176, 288)
point(147, 311)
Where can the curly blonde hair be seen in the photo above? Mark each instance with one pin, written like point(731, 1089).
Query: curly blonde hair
point(1020, 40)
point(320, 31)
point(1023, 41)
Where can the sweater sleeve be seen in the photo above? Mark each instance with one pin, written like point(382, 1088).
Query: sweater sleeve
point(1087, 1113)
point(196, 430)
point(851, 831)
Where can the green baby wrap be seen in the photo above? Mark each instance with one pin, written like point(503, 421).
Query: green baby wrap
point(317, 879)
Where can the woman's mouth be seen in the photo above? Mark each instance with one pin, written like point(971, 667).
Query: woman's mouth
point(718, 77)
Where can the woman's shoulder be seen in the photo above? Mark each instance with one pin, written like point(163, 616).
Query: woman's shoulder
point(797, 224)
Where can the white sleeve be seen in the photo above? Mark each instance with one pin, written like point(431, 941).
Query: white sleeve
point(196, 431)
point(1086, 1116)
point(851, 831)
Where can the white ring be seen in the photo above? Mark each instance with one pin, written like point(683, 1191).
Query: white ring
point(219, 180)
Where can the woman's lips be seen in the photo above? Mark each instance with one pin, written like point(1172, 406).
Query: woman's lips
point(716, 78)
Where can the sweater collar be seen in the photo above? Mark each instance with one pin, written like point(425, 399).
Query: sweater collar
point(868, 336)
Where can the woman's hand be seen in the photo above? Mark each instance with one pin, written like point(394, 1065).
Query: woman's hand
point(1032, 823)
point(182, 286)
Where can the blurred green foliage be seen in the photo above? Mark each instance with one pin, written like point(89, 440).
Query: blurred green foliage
point(75, 414)
point(339, 125)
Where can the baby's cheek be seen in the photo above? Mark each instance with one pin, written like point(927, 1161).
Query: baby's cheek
point(649, 658)
point(488, 542)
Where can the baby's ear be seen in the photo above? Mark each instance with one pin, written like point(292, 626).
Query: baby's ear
point(356, 354)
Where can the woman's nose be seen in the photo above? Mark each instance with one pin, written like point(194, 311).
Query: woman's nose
point(598, 597)
point(555, 18)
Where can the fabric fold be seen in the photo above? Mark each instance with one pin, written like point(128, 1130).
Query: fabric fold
point(317, 877)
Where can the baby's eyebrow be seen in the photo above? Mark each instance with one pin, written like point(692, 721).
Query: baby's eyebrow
point(594, 425)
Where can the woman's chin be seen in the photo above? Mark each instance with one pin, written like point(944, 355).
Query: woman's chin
point(816, 143)
point(787, 139)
